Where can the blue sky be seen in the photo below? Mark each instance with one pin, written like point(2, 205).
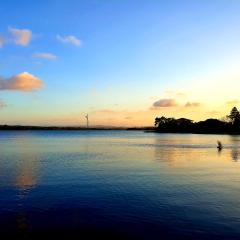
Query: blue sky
point(131, 54)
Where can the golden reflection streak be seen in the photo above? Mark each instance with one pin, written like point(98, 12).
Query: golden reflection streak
point(28, 162)
point(26, 178)
point(191, 157)
point(235, 148)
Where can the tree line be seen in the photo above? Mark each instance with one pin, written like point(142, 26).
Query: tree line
point(183, 125)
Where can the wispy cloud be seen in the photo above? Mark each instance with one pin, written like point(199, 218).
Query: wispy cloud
point(175, 93)
point(2, 41)
point(192, 104)
point(70, 39)
point(21, 36)
point(213, 112)
point(107, 111)
point(48, 56)
point(233, 102)
point(2, 104)
point(165, 102)
point(21, 82)
point(128, 117)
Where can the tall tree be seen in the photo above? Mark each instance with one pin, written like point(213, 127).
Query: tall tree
point(234, 116)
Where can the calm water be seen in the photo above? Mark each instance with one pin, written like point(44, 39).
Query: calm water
point(119, 184)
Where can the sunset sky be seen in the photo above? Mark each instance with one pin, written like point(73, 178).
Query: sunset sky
point(122, 62)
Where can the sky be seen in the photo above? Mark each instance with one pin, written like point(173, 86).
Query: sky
point(122, 62)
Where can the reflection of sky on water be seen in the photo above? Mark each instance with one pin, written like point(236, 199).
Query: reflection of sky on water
point(26, 179)
point(119, 176)
point(23, 174)
point(235, 154)
point(194, 152)
point(235, 140)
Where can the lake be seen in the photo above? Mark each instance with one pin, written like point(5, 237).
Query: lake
point(118, 185)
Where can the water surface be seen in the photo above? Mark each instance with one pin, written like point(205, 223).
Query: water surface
point(119, 185)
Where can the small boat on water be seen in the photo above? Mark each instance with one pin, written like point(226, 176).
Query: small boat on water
point(219, 145)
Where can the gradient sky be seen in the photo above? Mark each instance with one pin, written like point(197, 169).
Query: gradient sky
point(122, 62)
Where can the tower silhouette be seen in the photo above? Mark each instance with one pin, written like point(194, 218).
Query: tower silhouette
point(87, 120)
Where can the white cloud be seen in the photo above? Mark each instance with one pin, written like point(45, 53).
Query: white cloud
point(21, 82)
point(48, 56)
point(70, 39)
point(21, 36)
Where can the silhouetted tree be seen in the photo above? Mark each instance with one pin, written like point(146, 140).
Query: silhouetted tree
point(160, 121)
point(211, 126)
point(234, 116)
point(164, 124)
point(184, 125)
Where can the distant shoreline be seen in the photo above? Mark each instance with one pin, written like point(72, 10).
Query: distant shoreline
point(145, 129)
point(67, 128)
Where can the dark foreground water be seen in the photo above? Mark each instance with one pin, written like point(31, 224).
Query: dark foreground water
point(118, 185)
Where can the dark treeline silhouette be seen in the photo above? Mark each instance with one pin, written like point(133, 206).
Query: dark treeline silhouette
point(19, 127)
point(183, 125)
